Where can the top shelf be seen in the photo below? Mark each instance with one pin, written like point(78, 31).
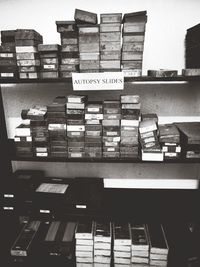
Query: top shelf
point(126, 79)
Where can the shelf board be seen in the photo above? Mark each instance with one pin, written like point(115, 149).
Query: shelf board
point(127, 79)
point(103, 160)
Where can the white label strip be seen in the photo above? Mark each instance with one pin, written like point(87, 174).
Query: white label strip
point(98, 81)
point(5, 74)
point(8, 196)
point(44, 211)
point(81, 206)
point(8, 208)
point(6, 55)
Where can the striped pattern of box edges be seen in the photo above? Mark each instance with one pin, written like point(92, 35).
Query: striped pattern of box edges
point(73, 127)
point(86, 46)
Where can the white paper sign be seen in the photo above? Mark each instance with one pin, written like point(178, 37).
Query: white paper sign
point(98, 81)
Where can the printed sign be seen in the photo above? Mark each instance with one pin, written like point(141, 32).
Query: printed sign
point(98, 81)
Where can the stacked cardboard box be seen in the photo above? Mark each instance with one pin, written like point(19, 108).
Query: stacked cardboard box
point(58, 243)
point(130, 109)
point(140, 244)
point(84, 243)
point(76, 125)
point(39, 130)
point(88, 40)
point(110, 42)
point(23, 137)
point(23, 141)
point(69, 48)
point(170, 141)
point(193, 47)
point(158, 245)
point(150, 146)
point(27, 53)
point(191, 72)
point(85, 17)
point(133, 43)
point(102, 244)
point(56, 117)
point(93, 130)
point(162, 73)
point(25, 242)
point(149, 116)
point(111, 128)
point(89, 48)
point(8, 62)
point(49, 60)
point(190, 139)
point(122, 244)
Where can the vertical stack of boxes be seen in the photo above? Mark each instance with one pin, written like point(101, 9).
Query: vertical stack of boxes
point(169, 138)
point(76, 125)
point(93, 130)
point(27, 53)
point(140, 244)
point(39, 130)
point(23, 140)
point(88, 40)
point(58, 243)
point(25, 243)
point(148, 136)
point(130, 117)
point(122, 244)
point(49, 60)
point(69, 48)
point(190, 139)
point(111, 128)
point(84, 243)
point(8, 62)
point(193, 49)
point(133, 43)
point(56, 117)
point(158, 245)
point(110, 42)
point(102, 244)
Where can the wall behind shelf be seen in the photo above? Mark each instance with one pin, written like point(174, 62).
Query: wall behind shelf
point(165, 32)
point(113, 170)
point(171, 101)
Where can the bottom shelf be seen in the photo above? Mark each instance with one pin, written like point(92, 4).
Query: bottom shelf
point(49, 248)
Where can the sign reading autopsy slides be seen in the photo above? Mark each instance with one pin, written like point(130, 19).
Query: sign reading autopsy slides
point(98, 81)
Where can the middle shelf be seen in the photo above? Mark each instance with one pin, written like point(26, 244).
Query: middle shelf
point(103, 160)
point(172, 101)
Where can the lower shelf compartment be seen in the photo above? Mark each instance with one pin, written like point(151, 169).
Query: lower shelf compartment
point(183, 240)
